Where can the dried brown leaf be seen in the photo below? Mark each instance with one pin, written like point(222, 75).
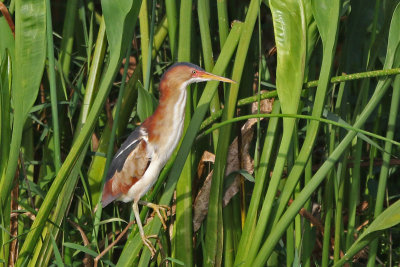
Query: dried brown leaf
point(237, 161)
point(95, 142)
point(200, 206)
point(265, 105)
point(206, 157)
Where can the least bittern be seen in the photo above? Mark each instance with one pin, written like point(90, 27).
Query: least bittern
point(137, 164)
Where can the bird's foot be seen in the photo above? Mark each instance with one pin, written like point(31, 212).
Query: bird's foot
point(160, 210)
point(148, 244)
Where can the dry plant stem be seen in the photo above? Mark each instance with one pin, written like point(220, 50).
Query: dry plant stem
point(84, 237)
point(43, 116)
point(13, 254)
point(28, 214)
point(110, 118)
point(87, 260)
point(96, 260)
point(6, 14)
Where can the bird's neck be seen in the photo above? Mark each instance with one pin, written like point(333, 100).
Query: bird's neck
point(165, 126)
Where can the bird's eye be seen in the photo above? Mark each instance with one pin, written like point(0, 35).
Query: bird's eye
point(193, 71)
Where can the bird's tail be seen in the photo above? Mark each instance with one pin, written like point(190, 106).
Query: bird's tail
point(108, 195)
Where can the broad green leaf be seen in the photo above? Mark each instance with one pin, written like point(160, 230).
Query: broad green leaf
point(7, 41)
point(393, 49)
point(5, 134)
point(326, 15)
point(144, 103)
point(5, 111)
point(30, 53)
point(246, 175)
point(290, 35)
point(312, 33)
point(231, 177)
point(120, 17)
point(323, 13)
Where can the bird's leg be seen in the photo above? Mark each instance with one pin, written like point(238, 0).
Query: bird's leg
point(163, 217)
point(145, 238)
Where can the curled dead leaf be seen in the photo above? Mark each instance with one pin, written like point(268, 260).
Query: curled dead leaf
point(206, 157)
point(265, 105)
point(200, 207)
point(238, 159)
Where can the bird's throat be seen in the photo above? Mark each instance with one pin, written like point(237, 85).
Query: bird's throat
point(165, 126)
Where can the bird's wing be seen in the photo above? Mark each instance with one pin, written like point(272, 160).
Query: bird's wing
point(127, 167)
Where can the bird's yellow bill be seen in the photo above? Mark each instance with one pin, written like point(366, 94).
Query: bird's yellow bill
point(211, 76)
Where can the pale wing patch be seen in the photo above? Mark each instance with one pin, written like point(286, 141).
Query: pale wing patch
point(126, 148)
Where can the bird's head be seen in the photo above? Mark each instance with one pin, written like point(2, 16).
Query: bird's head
point(182, 74)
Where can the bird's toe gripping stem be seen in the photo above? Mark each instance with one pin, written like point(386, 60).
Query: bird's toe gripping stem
point(160, 210)
point(148, 244)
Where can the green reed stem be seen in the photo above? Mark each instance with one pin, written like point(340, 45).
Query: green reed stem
point(53, 89)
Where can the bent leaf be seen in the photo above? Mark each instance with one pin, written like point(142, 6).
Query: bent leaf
point(389, 218)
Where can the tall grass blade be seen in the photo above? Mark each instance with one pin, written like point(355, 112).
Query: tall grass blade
point(327, 18)
point(124, 14)
point(290, 27)
point(53, 89)
point(392, 60)
point(214, 238)
point(383, 176)
point(30, 54)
